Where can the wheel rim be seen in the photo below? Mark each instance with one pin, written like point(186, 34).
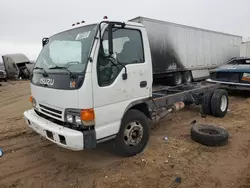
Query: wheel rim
point(188, 78)
point(223, 104)
point(178, 79)
point(133, 133)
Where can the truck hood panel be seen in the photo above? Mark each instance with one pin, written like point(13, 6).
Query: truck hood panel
point(56, 98)
point(234, 68)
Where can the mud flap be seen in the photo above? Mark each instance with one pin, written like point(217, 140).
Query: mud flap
point(89, 139)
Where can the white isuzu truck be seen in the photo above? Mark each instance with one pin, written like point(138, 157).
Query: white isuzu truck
point(94, 83)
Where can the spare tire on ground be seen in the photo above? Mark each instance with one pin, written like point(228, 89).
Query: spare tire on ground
point(209, 135)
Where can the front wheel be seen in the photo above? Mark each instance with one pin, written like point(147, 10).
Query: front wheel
point(133, 135)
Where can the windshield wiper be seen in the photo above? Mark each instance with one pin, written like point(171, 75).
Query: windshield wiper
point(65, 68)
point(45, 74)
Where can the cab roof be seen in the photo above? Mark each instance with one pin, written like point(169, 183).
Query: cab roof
point(130, 23)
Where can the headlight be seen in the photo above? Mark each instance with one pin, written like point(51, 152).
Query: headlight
point(34, 104)
point(246, 77)
point(70, 118)
point(78, 120)
point(84, 117)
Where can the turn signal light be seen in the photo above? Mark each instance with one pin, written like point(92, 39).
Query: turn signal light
point(31, 99)
point(87, 115)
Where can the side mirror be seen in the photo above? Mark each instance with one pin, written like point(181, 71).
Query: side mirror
point(45, 41)
point(110, 39)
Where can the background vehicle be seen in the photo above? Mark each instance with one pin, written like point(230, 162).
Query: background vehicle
point(245, 49)
point(3, 75)
point(94, 83)
point(183, 53)
point(17, 65)
point(235, 74)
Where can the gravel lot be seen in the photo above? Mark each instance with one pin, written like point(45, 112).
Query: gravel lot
point(31, 161)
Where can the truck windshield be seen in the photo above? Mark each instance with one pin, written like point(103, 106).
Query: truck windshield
point(68, 49)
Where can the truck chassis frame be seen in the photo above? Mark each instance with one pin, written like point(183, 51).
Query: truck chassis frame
point(164, 98)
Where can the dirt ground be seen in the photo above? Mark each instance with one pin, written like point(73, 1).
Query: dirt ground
point(31, 161)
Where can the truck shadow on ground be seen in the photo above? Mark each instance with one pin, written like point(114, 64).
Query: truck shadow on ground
point(240, 94)
point(102, 154)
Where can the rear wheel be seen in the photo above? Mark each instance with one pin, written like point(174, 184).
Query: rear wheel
point(133, 135)
point(177, 79)
point(206, 102)
point(187, 77)
point(219, 103)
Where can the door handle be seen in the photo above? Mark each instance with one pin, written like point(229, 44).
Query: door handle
point(143, 84)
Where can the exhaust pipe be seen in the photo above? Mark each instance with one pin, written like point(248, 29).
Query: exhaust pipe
point(176, 106)
point(166, 111)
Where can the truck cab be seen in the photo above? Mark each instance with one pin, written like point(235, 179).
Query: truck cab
point(85, 79)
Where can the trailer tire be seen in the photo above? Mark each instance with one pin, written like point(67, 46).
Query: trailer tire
point(187, 77)
point(209, 135)
point(177, 79)
point(206, 102)
point(219, 103)
point(134, 125)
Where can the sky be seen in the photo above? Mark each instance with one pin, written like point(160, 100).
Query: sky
point(23, 23)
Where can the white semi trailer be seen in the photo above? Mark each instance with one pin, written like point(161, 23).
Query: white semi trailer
point(245, 49)
point(183, 53)
point(94, 83)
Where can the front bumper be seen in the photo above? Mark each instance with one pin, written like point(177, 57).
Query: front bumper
point(62, 136)
point(231, 85)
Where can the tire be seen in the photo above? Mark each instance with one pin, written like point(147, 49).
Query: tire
point(219, 103)
point(177, 79)
point(206, 102)
point(5, 80)
point(209, 135)
point(187, 77)
point(132, 120)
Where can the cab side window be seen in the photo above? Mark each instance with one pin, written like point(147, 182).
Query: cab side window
point(128, 47)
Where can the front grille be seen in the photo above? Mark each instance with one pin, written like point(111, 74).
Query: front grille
point(51, 111)
point(228, 77)
point(50, 118)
